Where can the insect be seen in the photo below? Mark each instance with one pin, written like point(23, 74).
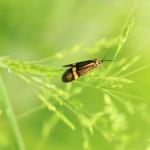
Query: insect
point(78, 69)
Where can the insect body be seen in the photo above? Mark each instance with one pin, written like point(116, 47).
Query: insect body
point(78, 69)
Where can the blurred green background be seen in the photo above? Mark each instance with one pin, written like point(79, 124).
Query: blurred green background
point(36, 29)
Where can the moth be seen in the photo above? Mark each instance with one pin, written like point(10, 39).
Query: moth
point(78, 69)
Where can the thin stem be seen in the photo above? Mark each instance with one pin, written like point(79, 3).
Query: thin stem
point(136, 70)
point(130, 95)
point(130, 14)
point(29, 112)
point(10, 116)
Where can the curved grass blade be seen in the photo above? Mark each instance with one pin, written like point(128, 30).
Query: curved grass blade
point(11, 117)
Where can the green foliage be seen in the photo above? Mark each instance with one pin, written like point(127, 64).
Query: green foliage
point(66, 104)
point(11, 117)
point(56, 98)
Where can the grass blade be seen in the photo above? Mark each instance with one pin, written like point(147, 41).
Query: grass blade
point(10, 116)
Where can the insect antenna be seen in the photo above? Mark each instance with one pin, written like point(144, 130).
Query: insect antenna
point(103, 59)
point(106, 60)
point(105, 55)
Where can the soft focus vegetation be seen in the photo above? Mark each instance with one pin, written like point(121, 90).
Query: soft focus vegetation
point(106, 109)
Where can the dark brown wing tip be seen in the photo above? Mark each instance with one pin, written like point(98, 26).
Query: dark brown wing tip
point(67, 76)
point(65, 80)
point(70, 65)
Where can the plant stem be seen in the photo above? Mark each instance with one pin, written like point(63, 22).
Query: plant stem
point(10, 116)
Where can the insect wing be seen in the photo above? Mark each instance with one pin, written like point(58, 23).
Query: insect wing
point(85, 64)
point(69, 65)
point(68, 76)
point(80, 64)
point(78, 69)
point(85, 69)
